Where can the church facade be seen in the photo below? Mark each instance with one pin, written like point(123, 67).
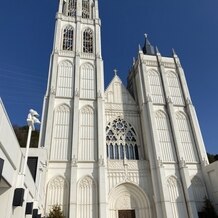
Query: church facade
point(134, 152)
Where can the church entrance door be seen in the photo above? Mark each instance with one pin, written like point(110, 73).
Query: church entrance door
point(126, 213)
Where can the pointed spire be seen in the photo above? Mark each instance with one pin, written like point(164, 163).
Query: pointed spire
point(174, 53)
point(133, 61)
point(140, 48)
point(157, 51)
point(148, 48)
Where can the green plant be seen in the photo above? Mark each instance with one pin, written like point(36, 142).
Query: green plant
point(56, 212)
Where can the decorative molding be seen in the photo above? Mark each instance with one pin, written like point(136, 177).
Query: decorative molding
point(76, 93)
point(87, 182)
point(188, 101)
point(178, 63)
point(101, 161)
point(74, 161)
point(99, 94)
point(150, 63)
point(169, 65)
point(77, 53)
point(121, 107)
point(160, 162)
point(148, 98)
point(182, 163)
point(53, 91)
point(66, 53)
point(98, 55)
point(169, 100)
point(205, 161)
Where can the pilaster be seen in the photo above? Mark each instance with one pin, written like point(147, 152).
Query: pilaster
point(183, 170)
point(157, 171)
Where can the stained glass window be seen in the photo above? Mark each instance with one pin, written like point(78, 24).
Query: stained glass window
point(121, 140)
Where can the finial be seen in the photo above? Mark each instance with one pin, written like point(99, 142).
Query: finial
point(133, 62)
point(174, 53)
point(146, 35)
point(140, 48)
point(115, 71)
point(157, 50)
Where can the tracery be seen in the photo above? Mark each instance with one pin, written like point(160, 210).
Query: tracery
point(121, 140)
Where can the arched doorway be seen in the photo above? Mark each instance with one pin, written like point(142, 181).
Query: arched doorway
point(129, 201)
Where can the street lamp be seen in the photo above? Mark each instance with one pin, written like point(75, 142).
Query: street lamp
point(19, 192)
point(31, 120)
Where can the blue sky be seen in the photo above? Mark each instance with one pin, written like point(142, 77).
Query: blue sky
point(188, 26)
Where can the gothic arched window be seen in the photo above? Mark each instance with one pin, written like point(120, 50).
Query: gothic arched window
point(71, 8)
point(68, 38)
point(88, 41)
point(85, 9)
point(121, 140)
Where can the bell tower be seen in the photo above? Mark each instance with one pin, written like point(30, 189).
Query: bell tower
point(73, 113)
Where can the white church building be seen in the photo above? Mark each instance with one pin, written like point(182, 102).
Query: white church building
point(119, 152)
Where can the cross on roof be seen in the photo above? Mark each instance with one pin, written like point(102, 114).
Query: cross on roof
point(115, 71)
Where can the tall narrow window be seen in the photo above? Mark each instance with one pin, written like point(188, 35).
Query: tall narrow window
point(186, 138)
point(88, 41)
point(60, 148)
point(87, 82)
point(155, 86)
point(87, 149)
point(177, 200)
point(85, 9)
point(65, 79)
point(87, 203)
point(57, 193)
point(165, 137)
point(175, 88)
point(121, 139)
point(68, 38)
point(71, 9)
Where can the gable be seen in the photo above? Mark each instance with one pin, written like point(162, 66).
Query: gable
point(116, 93)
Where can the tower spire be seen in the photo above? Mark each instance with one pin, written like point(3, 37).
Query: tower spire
point(148, 49)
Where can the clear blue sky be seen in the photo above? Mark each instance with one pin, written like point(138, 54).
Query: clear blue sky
point(189, 26)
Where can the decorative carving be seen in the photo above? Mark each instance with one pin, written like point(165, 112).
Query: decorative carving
point(169, 100)
point(205, 161)
point(150, 63)
point(53, 91)
point(178, 63)
point(188, 101)
point(99, 94)
point(101, 161)
point(182, 163)
point(148, 98)
point(159, 162)
point(98, 55)
point(77, 53)
point(169, 65)
point(76, 93)
point(57, 182)
point(86, 182)
point(74, 161)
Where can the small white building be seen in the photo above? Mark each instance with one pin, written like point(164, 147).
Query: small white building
point(11, 163)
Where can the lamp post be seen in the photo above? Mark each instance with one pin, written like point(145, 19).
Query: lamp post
point(19, 192)
point(31, 120)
